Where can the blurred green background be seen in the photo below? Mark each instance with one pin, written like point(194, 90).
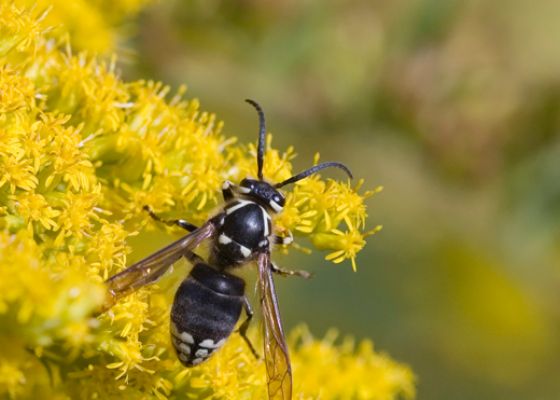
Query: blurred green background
point(454, 107)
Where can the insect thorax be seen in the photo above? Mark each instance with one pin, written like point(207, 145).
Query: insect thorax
point(245, 228)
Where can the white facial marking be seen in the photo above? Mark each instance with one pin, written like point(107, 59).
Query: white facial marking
point(244, 190)
point(223, 239)
point(245, 251)
point(197, 361)
point(185, 348)
point(209, 343)
point(287, 240)
point(201, 353)
point(187, 338)
point(275, 206)
point(242, 203)
point(226, 185)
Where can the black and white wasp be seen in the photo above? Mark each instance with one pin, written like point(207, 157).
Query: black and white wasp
point(208, 303)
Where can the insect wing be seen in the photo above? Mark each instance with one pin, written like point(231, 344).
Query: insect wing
point(277, 359)
point(151, 268)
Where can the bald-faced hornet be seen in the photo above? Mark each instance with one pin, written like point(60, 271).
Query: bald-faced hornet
point(209, 302)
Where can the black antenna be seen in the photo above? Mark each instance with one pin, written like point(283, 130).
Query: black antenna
point(262, 138)
point(312, 170)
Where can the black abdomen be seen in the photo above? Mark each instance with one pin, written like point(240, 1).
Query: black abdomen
point(205, 311)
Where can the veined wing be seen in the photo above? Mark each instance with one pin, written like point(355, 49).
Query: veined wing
point(278, 368)
point(151, 268)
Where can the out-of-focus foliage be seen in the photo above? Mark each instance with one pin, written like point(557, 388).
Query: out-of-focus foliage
point(454, 106)
point(81, 152)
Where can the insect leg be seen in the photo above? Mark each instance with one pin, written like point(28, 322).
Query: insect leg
point(227, 191)
point(193, 257)
point(286, 272)
point(243, 328)
point(283, 240)
point(179, 222)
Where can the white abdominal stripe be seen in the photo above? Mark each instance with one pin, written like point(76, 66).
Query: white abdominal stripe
point(209, 344)
point(190, 352)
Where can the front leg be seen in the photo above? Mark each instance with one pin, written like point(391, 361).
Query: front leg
point(227, 191)
point(286, 272)
point(282, 240)
point(179, 222)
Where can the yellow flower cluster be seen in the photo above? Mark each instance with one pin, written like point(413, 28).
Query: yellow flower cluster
point(93, 25)
point(81, 152)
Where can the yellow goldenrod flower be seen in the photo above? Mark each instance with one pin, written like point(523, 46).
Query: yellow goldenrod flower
point(92, 24)
point(81, 152)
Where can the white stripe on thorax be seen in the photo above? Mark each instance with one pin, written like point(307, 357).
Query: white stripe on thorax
point(242, 203)
point(266, 218)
